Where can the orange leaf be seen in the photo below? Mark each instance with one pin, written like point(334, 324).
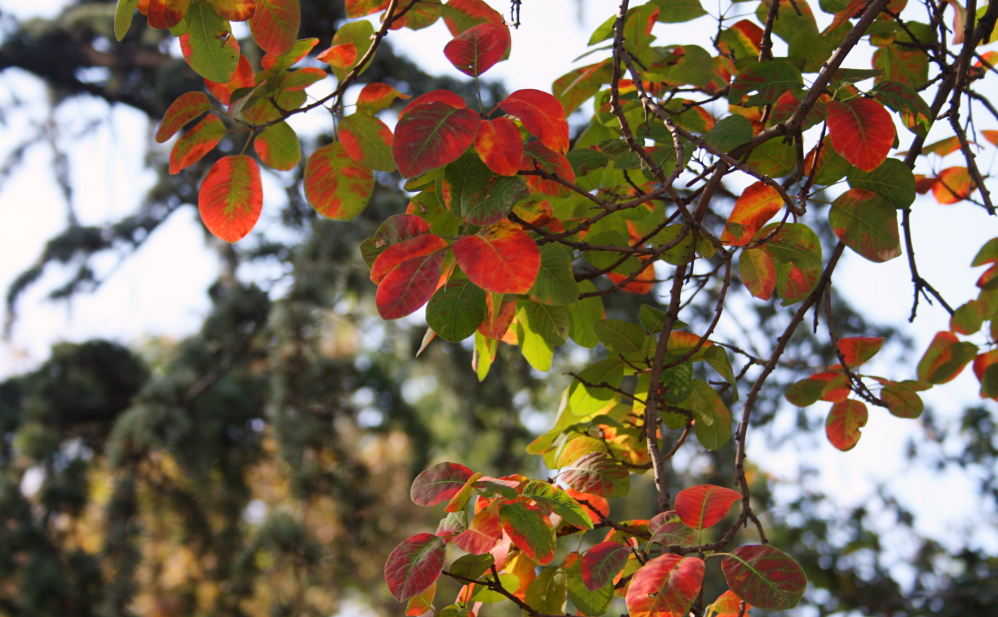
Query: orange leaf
point(862, 131)
point(542, 115)
point(701, 507)
point(464, 14)
point(991, 135)
point(341, 56)
point(196, 143)
point(231, 197)
point(336, 186)
point(843, 424)
point(275, 25)
point(729, 605)
point(665, 586)
point(298, 51)
point(375, 97)
point(478, 49)
point(432, 135)
point(857, 350)
point(165, 14)
point(757, 204)
point(952, 185)
point(242, 78)
point(500, 146)
point(502, 259)
point(436, 96)
point(186, 108)
point(537, 156)
point(643, 284)
point(234, 10)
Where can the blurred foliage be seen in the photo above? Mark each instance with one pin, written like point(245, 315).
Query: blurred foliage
point(262, 467)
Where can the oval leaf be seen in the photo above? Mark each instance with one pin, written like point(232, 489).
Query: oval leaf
point(415, 565)
point(764, 577)
point(231, 197)
point(336, 186)
point(185, 109)
point(843, 424)
point(862, 131)
point(275, 25)
point(500, 146)
point(665, 586)
point(704, 506)
point(867, 223)
point(603, 562)
point(478, 49)
point(368, 141)
point(431, 135)
point(502, 259)
point(439, 483)
point(196, 143)
point(542, 115)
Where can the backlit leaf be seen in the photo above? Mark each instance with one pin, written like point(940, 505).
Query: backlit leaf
point(460, 15)
point(368, 141)
point(336, 186)
point(165, 14)
point(242, 78)
point(704, 506)
point(395, 229)
point(579, 85)
point(678, 11)
point(231, 197)
point(548, 592)
point(436, 96)
point(501, 259)
point(728, 605)
point(185, 109)
point(234, 10)
point(414, 565)
point(500, 146)
point(303, 78)
point(209, 47)
point(537, 156)
point(597, 474)
point(397, 254)
point(360, 8)
point(455, 310)
point(756, 205)
point(483, 533)
point(589, 602)
point(439, 483)
point(409, 286)
point(422, 603)
point(196, 143)
point(356, 33)
point(123, 15)
point(479, 48)
point(529, 530)
point(906, 66)
point(602, 377)
point(907, 102)
point(758, 272)
point(278, 147)
point(602, 563)
point(953, 184)
point(945, 358)
point(555, 284)
point(555, 499)
point(892, 180)
point(432, 135)
point(542, 115)
point(665, 586)
point(764, 577)
point(377, 96)
point(768, 80)
point(729, 133)
point(298, 51)
point(843, 424)
point(668, 529)
point(713, 420)
point(275, 25)
point(584, 313)
point(861, 130)
point(867, 223)
point(859, 349)
point(902, 400)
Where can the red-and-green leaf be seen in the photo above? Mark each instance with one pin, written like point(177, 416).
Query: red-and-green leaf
point(483, 533)
point(360, 8)
point(500, 146)
point(415, 565)
point(758, 272)
point(478, 49)
point(728, 605)
point(665, 586)
point(422, 603)
point(368, 141)
point(339, 56)
point(164, 14)
point(298, 51)
point(823, 386)
point(397, 254)
point(538, 157)
point(278, 147)
point(862, 131)
point(431, 135)
point(986, 370)
point(409, 286)
point(542, 115)
point(529, 530)
point(395, 229)
point(704, 506)
point(377, 96)
point(336, 186)
point(233, 10)
point(231, 197)
point(668, 529)
point(439, 483)
point(596, 473)
point(196, 143)
point(603, 562)
point(867, 223)
point(242, 78)
point(208, 45)
point(843, 424)
point(953, 184)
point(858, 350)
point(556, 500)
point(502, 258)
point(436, 96)
point(275, 25)
point(185, 109)
point(757, 204)
point(460, 15)
point(577, 86)
point(764, 577)
point(302, 78)
point(945, 358)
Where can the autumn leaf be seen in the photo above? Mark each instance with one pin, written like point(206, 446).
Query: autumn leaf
point(479, 48)
point(231, 197)
point(861, 130)
point(501, 259)
point(542, 115)
point(843, 424)
point(432, 135)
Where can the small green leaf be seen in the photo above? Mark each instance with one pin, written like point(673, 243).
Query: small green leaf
point(558, 501)
point(548, 593)
point(584, 313)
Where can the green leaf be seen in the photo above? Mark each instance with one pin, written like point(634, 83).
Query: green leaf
point(805, 392)
point(867, 223)
point(548, 593)
point(678, 11)
point(713, 420)
point(472, 566)
point(789, 24)
point(490, 201)
point(529, 530)
point(892, 180)
point(368, 141)
point(718, 359)
point(623, 337)
point(483, 594)
point(540, 328)
point(210, 58)
point(768, 80)
point(907, 66)
point(278, 147)
point(555, 283)
point(123, 17)
point(558, 501)
point(677, 381)
point(584, 399)
point(586, 160)
point(589, 603)
point(774, 158)
point(730, 133)
point(583, 315)
point(907, 102)
point(812, 47)
point(945, 358)
point(652, 319)
point(695, 68)
point(456, 310)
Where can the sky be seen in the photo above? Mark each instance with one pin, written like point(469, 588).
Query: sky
point(160, 291)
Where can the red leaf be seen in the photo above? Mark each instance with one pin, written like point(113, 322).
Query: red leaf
point(595, 506)
point(502, 259)
point(500, 146)
point(360, 8)
point(436, 96)
point(757, 204)
point(478, 49)
point(982, 363)
point(665, 587)
point(843, 424)
point(242, 78)
point(375, 97)
point(341, 56)
point(464, 14)
point(300, 49)
point(409, 286)
point(431, 135)
point(234, 10)
point(764, 577)
point(196, 143)
point(602, 563)
point(923, 184)
point(275, 25)
point(529, 529)
point(336, 186)
point(991, 135)
point(396, 254)
point(945, 358)
point(415, 565)
point(862, 131)
point(537, 156)
point(439, 483)
point(231, 197)
point(858, 349)
point(542, 115)
point(643, 284)
point(758, 272)
point(953, 184)
point(186, 108)
point(497, 318)
point(704, 506)
point(668, 529)
point(484, 532)
point(165, 14)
